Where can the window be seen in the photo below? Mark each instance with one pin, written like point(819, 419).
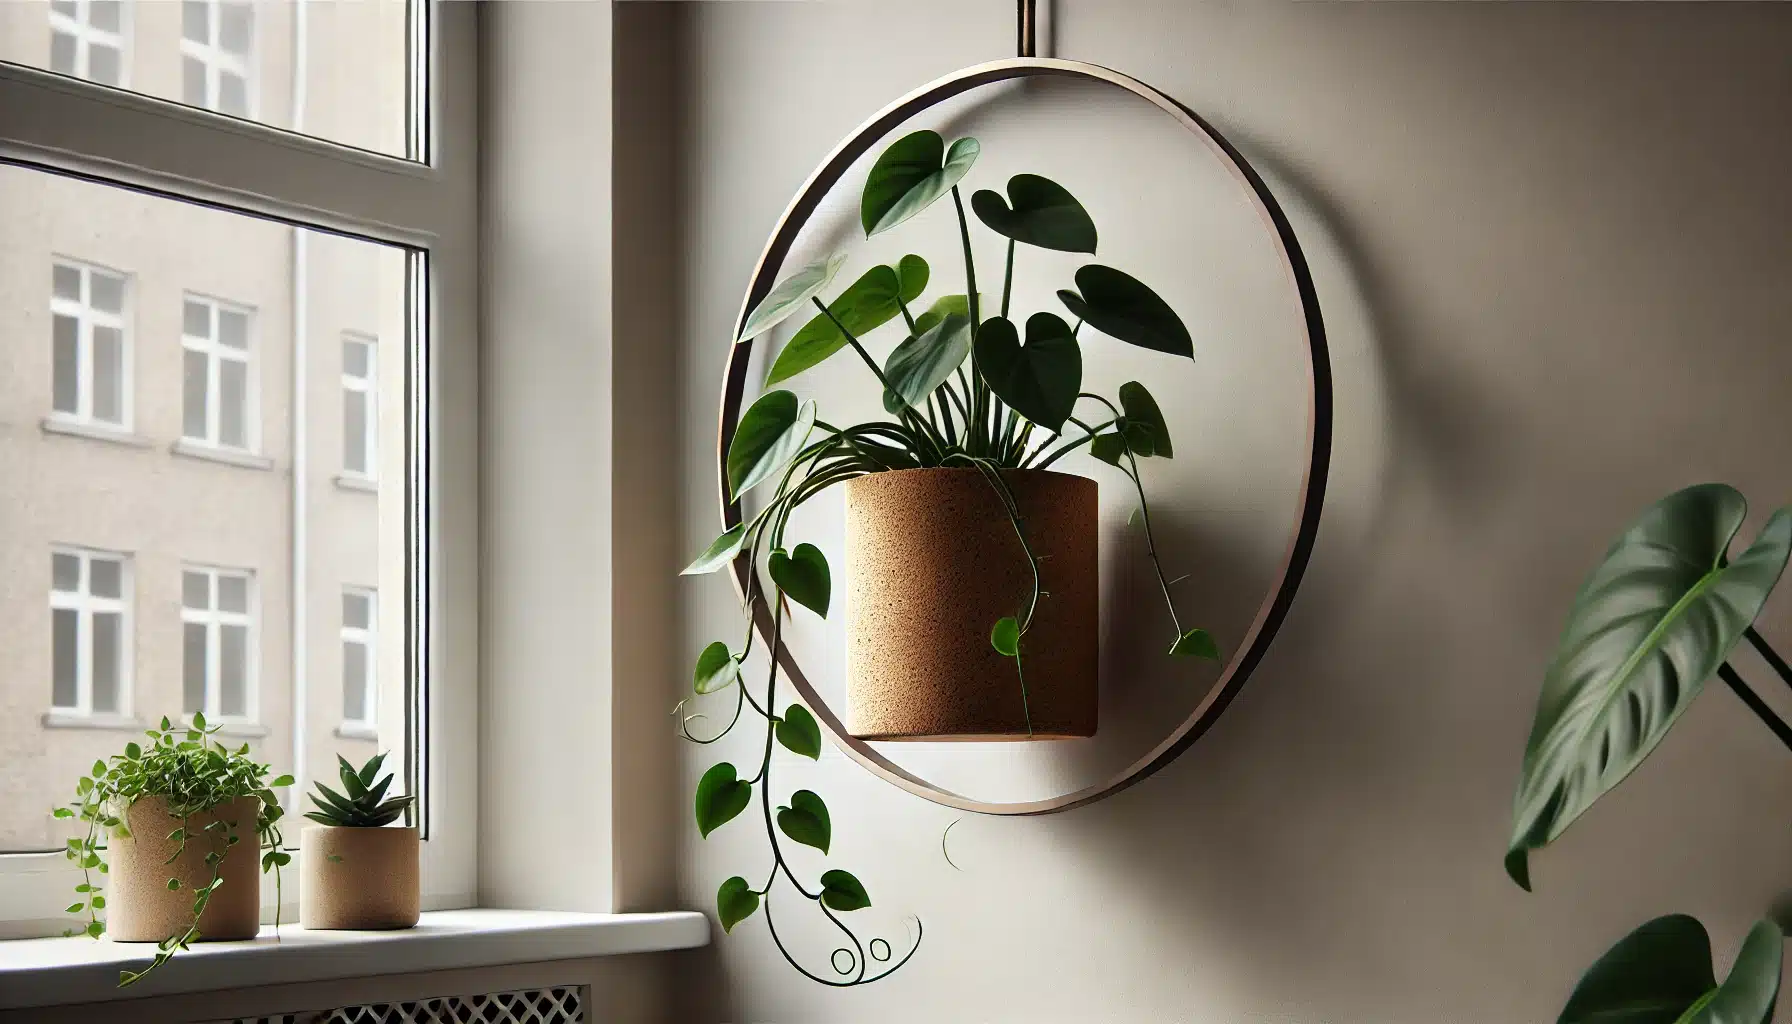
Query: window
point(360, 645)
point(217, 375)
point(87, 39)
point(89, 360)
point(217, 47)
point(217, 615)
point(90, 630)
point(360, 406)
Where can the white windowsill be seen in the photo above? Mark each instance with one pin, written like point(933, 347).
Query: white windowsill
point(357, 731)
point(94, 432)
point(352, 482)
point(68, 718)
point(213, 453)
point(49, 972)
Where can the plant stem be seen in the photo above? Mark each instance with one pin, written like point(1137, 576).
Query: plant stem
point(1008, 279)
point(974, 439)
point(1071, 446)
point(1769, 655)
point(1157, 566)
point(1773, 722)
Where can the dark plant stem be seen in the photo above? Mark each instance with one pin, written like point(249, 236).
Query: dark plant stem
point(1008, 279)
point(1774, 723)
point(1769, 655)
point(977, 438)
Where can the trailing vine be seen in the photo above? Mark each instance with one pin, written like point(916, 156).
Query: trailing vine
point(961, 390)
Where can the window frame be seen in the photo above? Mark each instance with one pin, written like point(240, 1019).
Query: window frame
point(214, 618)
point(368, 638)
point(216, 353)
point(214, 56)
point(85, 35)
point(85, 604)
point(368, 386)
point(87, 317)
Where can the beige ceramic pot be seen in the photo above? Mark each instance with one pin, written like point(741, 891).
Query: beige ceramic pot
point(932, 563)
point(139, 905)
point(360, 879)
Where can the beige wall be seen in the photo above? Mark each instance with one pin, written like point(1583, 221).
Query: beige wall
point(1551, 242)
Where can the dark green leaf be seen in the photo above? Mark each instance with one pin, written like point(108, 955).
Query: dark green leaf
point(1652, 622)
point(720, 552)
point(1043, 213)
point(720, 796)
point(790, 295)
point(867, 304)
point(1120, 306)
point(1195, 643)
point(1040, 380)
point(924, 362)
point(1662, 970)
point(133, 751)
point(369, 771)
point(806, 820)
point(913, 172)
point(735, 902)
point(351, 781)
point(716, 669)
point(1005, 637)
point(1109, 448)
point(841, 891)
point(914, 273)
point(1749, 994)
point(1142, 414)
point(769, 435)
point(199, 720)
point(803, 577)
point(800, 733)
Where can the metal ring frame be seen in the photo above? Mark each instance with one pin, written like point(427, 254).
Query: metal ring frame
point(1274, 608)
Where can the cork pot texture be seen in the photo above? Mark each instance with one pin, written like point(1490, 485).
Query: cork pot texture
point(932, 563)
point(358, 879)
point(139, 905)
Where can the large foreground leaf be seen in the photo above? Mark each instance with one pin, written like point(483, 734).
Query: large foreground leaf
point(908, 176)
point(1121, 306)
point(1040, 380)
point(1661, 974)
point(790, 295)
point(1651, 624)
point(866, 304)
point(924, 362)
point(1039, 211)
point(769, 435)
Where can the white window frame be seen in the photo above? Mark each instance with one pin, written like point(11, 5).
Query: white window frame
point(86, 36)
point(54, 123)
point(216, 353)
point(84, 603)
point(368, 638)
point(216, 59)
point(368, 386)
point(214, 618)
point(86, 318)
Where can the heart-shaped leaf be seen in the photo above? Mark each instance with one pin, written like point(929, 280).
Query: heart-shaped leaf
point(769, 435)
point(1120, 306)
point(841, 891)
point(924, 362)
point(1042, 213)
point(866, 304)
point(720, 552)
point(799, 733)
point(1041, 380)
point(803, 576)
point(790, 295)
point(1661, 974)
point(720, 796)
point(1650, 625)
point(1195, 643)
point(908, 176)
point(1146, 420)
point(735, 902)
point(806, 820)
point(1005, 637)
point(1109, 448)
point(1749, 994)
point(716, 669)
point(942, 307)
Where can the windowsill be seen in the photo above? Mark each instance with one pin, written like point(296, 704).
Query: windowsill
point(67, 718)
point(49, 972)
point(351, 482)
point(229, 456)
point(238, 730)
point(94, 432)
point(357, 731)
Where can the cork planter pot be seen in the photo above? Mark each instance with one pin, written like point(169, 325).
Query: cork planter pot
point(932, 563)
point(139, 905)
point(359, 879)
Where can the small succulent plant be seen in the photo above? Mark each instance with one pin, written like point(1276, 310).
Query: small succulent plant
point(364, 805)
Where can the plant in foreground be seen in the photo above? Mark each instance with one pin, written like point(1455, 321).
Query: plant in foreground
point(193, 774)
point(361, 803)
point(961, 389)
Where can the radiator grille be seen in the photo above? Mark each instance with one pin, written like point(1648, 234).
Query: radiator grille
point(531, 1006)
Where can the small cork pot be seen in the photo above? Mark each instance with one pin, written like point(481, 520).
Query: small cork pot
point(359, 879)
point(139, 905)
point(932, 563)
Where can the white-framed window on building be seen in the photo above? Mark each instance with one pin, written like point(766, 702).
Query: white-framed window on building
point(218, 643)
point(217, 55)
point(90, 354)
point(360, 660)
point(218, 388)
point(89, 39)
point(360, 405)
point(90, 632)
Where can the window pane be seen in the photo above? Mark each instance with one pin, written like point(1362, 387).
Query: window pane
point(354, 682)
point(235, 57)
point(233, 398)
point(66, 283)
point(108, 647)
point(356, 610)
point(233, 670)
point(63, 639)
point(354, 431)
point(193, 395)
point(195, 590)
point(107, 292)
point(354, 358)
point(233, 594)
point(66, 8)
point(108, 374)
point(67, 365)
point(196, 319)
point(105, 577)
point(65, 572)
point(233, 328)
point(193, 668)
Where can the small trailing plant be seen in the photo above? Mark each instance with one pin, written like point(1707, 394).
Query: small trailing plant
point(362, 803)
point(193, 773)
point(962, 388)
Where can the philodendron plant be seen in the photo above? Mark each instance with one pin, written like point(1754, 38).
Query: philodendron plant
point(1656, 619)
point(961, 388)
